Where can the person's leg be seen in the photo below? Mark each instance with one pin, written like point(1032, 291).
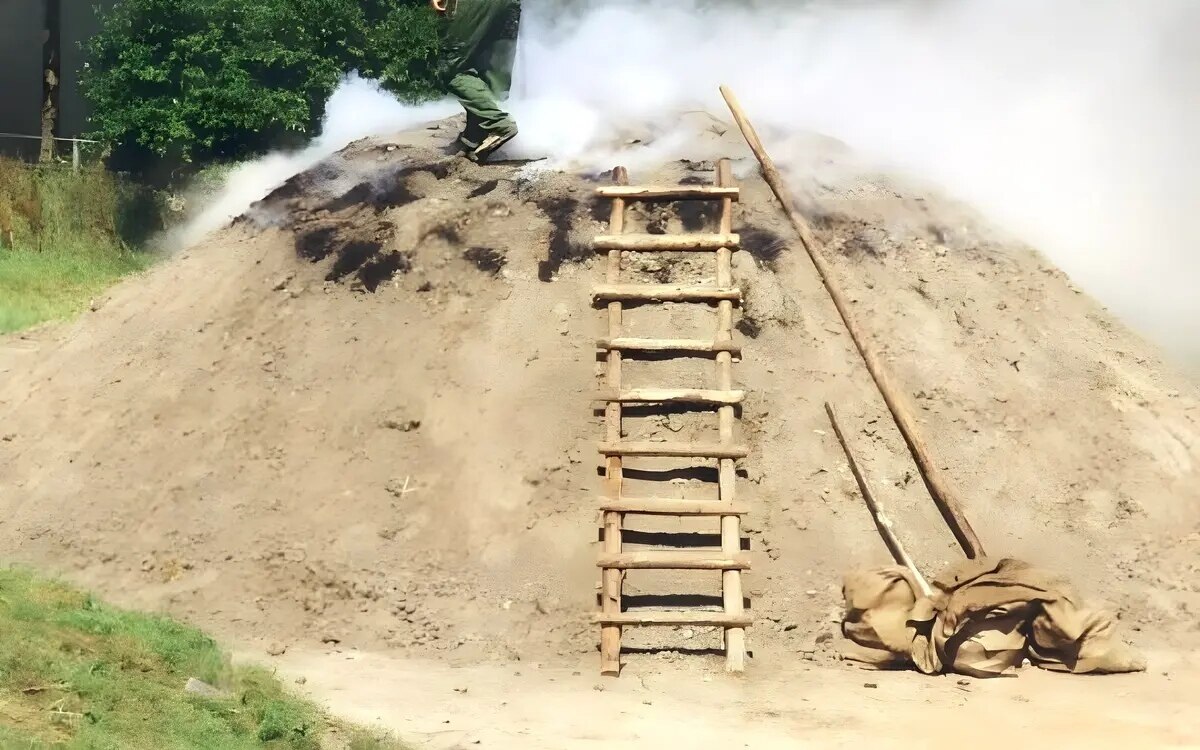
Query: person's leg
point(484, 115)
point(481, 47)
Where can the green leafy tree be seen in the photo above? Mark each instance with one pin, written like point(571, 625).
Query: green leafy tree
point(177, 83)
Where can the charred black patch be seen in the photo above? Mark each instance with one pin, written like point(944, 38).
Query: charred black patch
point(750, 327)
point(301, 184)
point(388, 190)
point(359, 195)
point(381, 269)
point(486, 259)
point(561, 213)
point(447, 233)
point(696, 215)
point(356, 251)
point(352, 257)
point(484, 189)
point(763, 245)
point(316, 244)
point(694, 179)
point(601, 210)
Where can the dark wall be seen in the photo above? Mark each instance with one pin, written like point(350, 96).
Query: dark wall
point(20, 74)
point(21, 39)
point(80, 22)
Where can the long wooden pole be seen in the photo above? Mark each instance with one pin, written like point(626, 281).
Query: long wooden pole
point(939, 485)
point(612, 579)
point(882, 522)
point(731, 525)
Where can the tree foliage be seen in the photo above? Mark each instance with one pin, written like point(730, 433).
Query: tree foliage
point(183, 82)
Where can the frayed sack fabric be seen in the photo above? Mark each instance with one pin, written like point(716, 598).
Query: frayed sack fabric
point(984, 619)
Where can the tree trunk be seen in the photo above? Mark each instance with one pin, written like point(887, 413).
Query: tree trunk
point(51, 66)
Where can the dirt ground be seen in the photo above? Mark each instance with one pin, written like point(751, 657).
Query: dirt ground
point(353, 431)
point(542, 707)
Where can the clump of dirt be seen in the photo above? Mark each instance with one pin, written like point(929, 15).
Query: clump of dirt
point(230, 416)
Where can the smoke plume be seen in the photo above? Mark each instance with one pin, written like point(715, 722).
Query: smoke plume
point(1070, 124)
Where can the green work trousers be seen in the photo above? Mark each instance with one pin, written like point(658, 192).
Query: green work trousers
point(481, 45)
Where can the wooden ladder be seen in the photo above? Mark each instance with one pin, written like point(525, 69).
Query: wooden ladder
point(614, 559)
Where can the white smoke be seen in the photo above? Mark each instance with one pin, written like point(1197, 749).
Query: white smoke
point(1070, 123)
point(358, 108)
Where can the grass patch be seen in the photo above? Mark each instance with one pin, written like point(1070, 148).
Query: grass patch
point(37, 287)
point(65, 237)
point(78, 675)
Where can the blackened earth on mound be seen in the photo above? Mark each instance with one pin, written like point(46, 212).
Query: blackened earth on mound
point(763, 245)
point(486, 259)
point(562, 215)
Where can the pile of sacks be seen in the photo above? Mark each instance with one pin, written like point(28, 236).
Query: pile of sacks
point(984, 618)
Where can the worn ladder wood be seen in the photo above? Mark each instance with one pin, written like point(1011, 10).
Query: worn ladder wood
point(614, 560)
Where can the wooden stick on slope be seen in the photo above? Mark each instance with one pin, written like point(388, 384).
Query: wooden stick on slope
point(939, 486)
point(882, 522)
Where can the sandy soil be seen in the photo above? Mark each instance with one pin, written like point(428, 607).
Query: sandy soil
point(358, 420)
point(531, 706)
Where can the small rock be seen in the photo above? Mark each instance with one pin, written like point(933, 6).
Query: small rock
point(283, 282)
point(790, 627)
point(402, 424)
point(301, 680)
point(871, 685)
point(203, 689)
point(276, 649)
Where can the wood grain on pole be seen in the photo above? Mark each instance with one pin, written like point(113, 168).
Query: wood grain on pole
point(661, 506)
point(731, 526)
point(666, 292)
point(674, 450)
point(699, 619)
point(666, 243)
point(674, 395)
point(669, 559)
point(610, 634)
point(669, 345)
point(882, 522)
point(670, 192)
point(939, 485)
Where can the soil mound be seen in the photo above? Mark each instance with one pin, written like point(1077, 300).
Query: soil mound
point(360, 415)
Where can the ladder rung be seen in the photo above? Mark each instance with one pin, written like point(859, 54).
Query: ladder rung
point(641, 243)
point(669, 192)
point(667, 293)
point(699, 619)
point(656, 506)
point(673, 560)
point(674, 450)
point(673, 396)
point(669, 345)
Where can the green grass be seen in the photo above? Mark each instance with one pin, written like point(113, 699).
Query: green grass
point(36, 287)
point(78, 675)
point(65, 237)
